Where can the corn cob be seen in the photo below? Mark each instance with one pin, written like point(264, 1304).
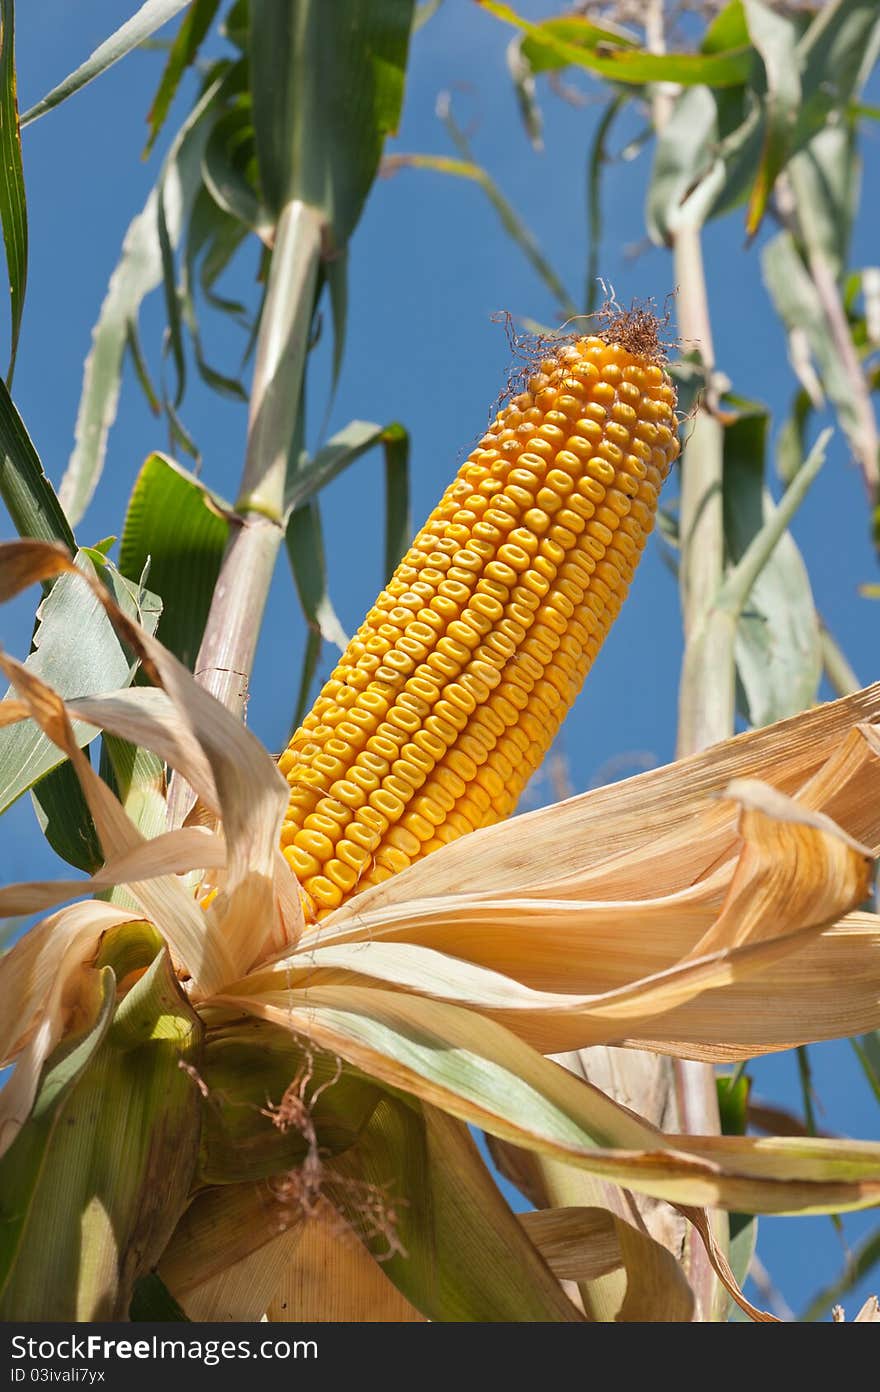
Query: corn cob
point(451, 692)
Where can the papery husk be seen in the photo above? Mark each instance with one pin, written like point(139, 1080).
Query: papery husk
point(330, 1277)
point(229, 1252)
point(581, 1244)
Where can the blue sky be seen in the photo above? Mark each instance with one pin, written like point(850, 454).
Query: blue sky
point(429, 268)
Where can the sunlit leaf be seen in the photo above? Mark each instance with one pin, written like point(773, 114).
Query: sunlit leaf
point(13, 206)
point(150, 17)
point(328, 87)
point(30, 499)
point(183, 54)
point(555, 44)
point(176, 524)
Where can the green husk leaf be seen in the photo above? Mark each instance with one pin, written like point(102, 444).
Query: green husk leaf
point(265, 1089)
point(116, 1155)
point(449, 1241)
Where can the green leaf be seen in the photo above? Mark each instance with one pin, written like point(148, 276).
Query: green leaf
point(798, 305)
point(305, 549)
point(328, 87)
point(791, 443)
point(398, 523)
point(733, 1102)
point(30, 499)
point(778, 646)
point(65, 820)
point(150, 17)
point(175, 523)
point(76, 651)
point(314, 643)
point(727, 30)
point(524, 86)
point(139, 272)
point(230, 170)
point(452, 1245)
point(775, 38)
point(825, 182)
point(13, 205)
point(341, 450)
point(556, 44)
point(21, 1166)
point(152, 1300)
point(743, 1239)
point(183, 54)
point(859, 1265)
point(836, 54)
point(109, 1170)
point(685, 153)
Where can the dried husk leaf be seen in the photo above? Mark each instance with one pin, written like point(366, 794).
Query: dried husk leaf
point(330, 1277)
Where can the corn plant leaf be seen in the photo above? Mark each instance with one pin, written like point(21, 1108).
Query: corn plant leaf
point(684, 155)
point(398, 519)
point(229, 1251)
point(798, 305)
point(478, 1071)
point(30, 499)
point(329, 1276)
point(860, 1262)
point(778, 647)
point(328, 87)
point(118, 1169)
point(523, 80)
point(836, 53)
point(775, 38)
point(727, 29)
point(182, 55)
point(178, 526)
point(65, 820)
point(21, 1165)
point(444, 1234)
point(557, 43)
point(825, 181)
point(13, 205)
point(230, 170)
point(78, 652)
point(312, 473)
point(150, 17)
point(139, 271)
point(304, 538)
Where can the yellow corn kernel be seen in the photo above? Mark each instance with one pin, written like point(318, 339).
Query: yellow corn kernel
point(454, 687)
